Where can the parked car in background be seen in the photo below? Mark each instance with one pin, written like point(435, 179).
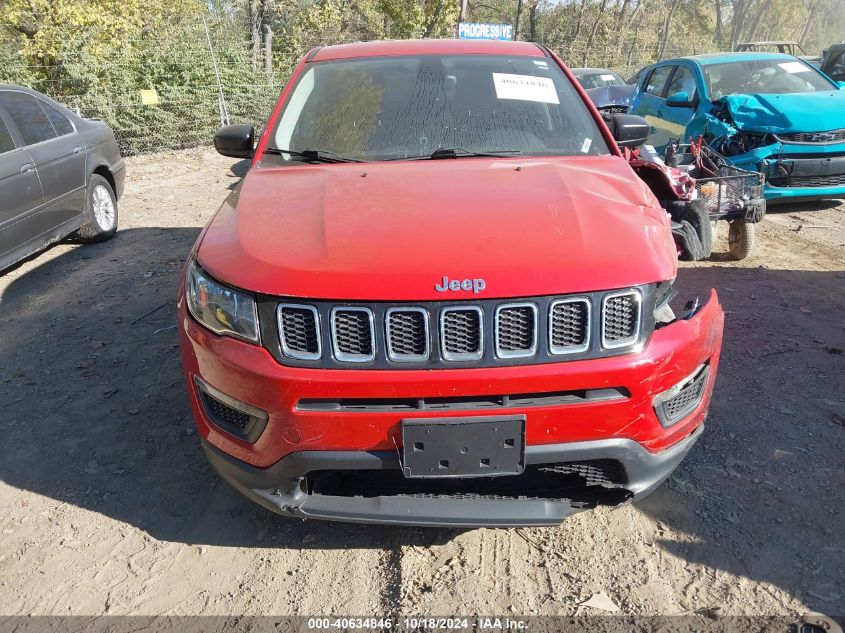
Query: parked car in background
point(398, 320)
point(597, 77)
point(778, 46)
point(607, 90)
point(769, 112)
point(833, 62)
point(59, 174)
point(786, 47)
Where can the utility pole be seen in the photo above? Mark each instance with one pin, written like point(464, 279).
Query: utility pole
point(463, 14)
point(268, 53)
point(221, 100)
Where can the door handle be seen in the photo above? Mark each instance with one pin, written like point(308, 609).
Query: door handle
point(27, 168)
point(77, 149)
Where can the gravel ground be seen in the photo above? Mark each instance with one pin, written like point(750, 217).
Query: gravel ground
point(107, 505)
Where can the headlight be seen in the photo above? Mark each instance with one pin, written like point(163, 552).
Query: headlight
point(220, 308)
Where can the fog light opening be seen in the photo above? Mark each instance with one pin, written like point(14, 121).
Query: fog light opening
point(676, 403)
point(232, 416)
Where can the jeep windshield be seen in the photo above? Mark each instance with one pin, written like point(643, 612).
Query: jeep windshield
point(432, 106)
point(764, 76)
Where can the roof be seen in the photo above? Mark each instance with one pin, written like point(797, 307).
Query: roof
point(593, 70)
point(427, 47)
point(769, 43)
point(723, 58)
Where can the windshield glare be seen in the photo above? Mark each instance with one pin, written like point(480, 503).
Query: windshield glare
point(385, 108)
point(763, 76)
point(599, 80)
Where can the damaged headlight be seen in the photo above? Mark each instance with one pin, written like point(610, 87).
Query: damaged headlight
point(664, 294)
point(220, 308)
point(744, 142)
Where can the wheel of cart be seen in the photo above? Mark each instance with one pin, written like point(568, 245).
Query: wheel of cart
point(728, 193)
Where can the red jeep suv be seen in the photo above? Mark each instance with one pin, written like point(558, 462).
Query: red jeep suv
point(440, 296)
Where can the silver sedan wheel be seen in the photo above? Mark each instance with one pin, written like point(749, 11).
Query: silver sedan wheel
point(103, 205)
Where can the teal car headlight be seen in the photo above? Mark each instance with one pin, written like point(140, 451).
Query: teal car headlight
point(221, 308)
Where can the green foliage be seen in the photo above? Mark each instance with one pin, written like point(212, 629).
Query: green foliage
point(98, 54)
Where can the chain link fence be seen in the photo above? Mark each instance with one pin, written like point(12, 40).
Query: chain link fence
point(182, 77)
point(185, 116)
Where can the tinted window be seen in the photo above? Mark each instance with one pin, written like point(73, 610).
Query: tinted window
point(60, 121)
point(28, 116)
point(385, 108)
point(657, 80)
point(682, 81)
point(6, 142)
point(764, 76)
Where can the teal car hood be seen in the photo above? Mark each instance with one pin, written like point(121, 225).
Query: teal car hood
point(789, 113)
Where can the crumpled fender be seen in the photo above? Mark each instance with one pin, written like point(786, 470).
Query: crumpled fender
point(756, 156)
point(786, 113)
point(710, 127)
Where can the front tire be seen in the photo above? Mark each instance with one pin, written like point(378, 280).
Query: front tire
point(100, 211)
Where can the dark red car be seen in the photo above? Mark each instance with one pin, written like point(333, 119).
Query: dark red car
point(440, 296)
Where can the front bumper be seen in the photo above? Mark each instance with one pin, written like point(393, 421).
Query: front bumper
point(279, 489)
point(798, 171)
point(295, 441)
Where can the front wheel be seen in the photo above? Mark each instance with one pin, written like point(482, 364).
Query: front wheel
point(742, 237)
point(100, 211)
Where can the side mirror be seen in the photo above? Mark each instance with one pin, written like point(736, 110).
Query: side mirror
point(236, 141)
point(679, 100)
point(629, 130)
point(841, 85)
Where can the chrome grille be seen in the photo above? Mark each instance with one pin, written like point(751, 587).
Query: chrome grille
point(831, 136)
point(569, 329)
point(298, 331)
point(621, 315)
point(352, 334)
point(474, 332)
point(460, 333)
point(407, 334)
point(516, 330)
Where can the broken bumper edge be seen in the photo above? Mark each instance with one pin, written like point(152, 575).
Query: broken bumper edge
point(278, 487)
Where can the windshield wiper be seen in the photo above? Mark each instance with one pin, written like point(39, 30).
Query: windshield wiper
point(460, 152)
point(313, 155)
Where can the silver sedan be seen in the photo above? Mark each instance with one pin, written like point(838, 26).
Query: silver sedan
point(60, 174)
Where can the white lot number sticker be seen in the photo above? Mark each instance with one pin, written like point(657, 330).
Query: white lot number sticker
point(525, 88)
point(794, 67)
point(607, 77)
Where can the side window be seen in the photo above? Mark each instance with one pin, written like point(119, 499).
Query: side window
point(682, 81)
point(657, 80)
point(7, 144)
point(60, 121)
point(28, 116)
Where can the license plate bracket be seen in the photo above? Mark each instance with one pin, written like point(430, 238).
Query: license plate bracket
point(490, 446)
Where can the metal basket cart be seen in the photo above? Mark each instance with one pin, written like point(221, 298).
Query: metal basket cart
point(728, 192)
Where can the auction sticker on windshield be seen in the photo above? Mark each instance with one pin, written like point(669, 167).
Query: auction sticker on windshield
point(794, 67)
point(525, 88)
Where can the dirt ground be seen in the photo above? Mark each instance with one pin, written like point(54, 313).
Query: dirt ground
point(107, 505)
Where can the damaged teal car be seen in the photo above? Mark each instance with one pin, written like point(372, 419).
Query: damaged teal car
point(768, 112)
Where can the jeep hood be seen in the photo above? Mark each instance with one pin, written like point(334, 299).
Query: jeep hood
point(790, 113)
point(392, 231)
